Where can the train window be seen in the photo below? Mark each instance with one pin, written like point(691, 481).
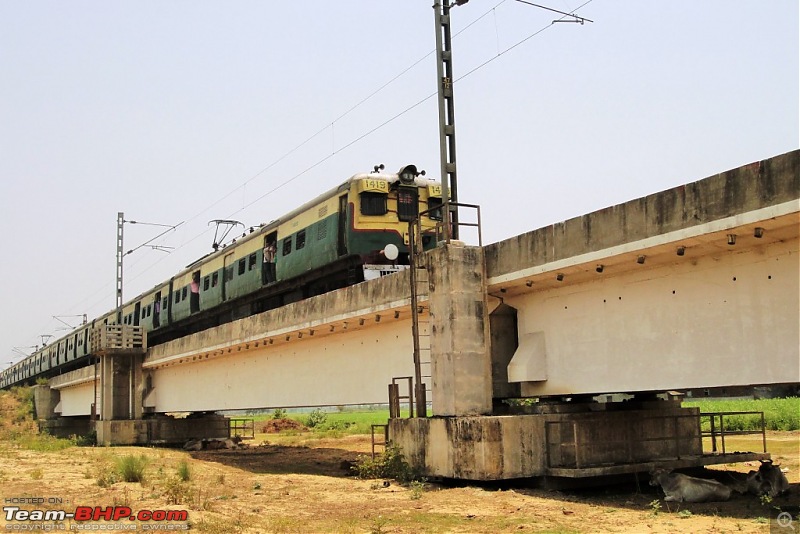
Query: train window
point(228, 274)
point(407, 206)
point(177, 297)
point(206, 283)
point(433, 204)
point(251, 261)
point(301, 239)
point(166, 303)
point(242, 264)
point(214, 279)
point(322, 230)
point(373, 203)
point(287, 246)
point(183, 293)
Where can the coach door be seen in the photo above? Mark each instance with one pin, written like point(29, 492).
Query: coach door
point(157, 310)
point(227, 275)
point(341, 241)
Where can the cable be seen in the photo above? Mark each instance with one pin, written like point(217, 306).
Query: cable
point(345, 146)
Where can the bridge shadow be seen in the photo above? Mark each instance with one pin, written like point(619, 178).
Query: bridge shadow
point(636, 494)
point(284, 460)
point(627, 492)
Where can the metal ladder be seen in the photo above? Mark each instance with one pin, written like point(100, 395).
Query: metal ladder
point(420, 320)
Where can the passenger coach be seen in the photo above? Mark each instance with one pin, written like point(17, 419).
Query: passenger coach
point(354, 232)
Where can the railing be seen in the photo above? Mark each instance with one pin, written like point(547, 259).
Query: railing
point(243, 428)
point(117, 337)
point(384, 429)
point(395, 397)
point(443, 231)
point(720, 431)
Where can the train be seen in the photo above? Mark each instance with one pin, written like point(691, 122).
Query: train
point(356, 231)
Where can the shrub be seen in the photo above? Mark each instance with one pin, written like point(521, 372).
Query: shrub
point(175, 491)
point(316, 418)
point(184, 471)
point(279, 413)
point(389, 464)
point(131, 468)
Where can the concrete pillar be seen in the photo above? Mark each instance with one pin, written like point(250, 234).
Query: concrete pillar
point(460, 353)
point(45, 401)
point(121, 387)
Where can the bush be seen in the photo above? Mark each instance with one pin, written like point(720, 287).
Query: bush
point(279, 413)
point(184, 471)
point(131, 468)
point(87, 440)
point(389, 464)
point(316, 418)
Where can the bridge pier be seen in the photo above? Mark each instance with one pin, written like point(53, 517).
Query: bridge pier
point(567, 440)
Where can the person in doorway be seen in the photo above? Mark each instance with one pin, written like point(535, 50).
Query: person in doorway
point(269, 262)
point(194, 302)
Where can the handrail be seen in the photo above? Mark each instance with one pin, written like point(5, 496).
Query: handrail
point(713, 433)
point(445, 226)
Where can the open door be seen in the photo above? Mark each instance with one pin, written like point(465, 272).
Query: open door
point(341, 242)
point(194, 293)
point(269, 258)
point(227, 275)
point(157, 310)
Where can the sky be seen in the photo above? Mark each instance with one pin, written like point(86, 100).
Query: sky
point(188, 111)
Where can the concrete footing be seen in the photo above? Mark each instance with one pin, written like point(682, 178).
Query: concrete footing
point(594, 442)
point(161, 429)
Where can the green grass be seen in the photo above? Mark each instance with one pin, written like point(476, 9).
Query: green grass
point(343, 422)
point(779, 414)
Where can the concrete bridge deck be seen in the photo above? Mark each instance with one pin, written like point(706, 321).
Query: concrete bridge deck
point(625, 299)
point(694, 287)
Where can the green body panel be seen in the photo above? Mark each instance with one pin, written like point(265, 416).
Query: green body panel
point(244, 280)
point(320, 249)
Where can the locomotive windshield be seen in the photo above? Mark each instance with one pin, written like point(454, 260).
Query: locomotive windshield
point(407, 204)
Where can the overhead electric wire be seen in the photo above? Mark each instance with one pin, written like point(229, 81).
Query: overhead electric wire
point(350, 143)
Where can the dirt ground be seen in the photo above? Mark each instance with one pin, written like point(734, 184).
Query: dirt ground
point(298, 484)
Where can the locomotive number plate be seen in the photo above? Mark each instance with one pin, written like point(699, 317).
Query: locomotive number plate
point(376, 185)
point(435, 190)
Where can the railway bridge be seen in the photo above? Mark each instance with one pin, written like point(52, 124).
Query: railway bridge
point(693, 287)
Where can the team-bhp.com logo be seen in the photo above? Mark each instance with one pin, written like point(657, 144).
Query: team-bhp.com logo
point(95, 514)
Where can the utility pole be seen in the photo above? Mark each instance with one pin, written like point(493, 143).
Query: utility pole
point(120, 254)
point(121, 251)
point(447, 119)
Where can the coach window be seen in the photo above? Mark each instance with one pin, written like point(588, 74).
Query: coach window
point(251, 261)
point(242, 265)
point(214, 279)
point(287, 246)
point(373, 203)
point(301, 239)
point(206, 283)
point(184, 291)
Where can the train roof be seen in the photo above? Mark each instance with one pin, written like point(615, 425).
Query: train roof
point(419, 180)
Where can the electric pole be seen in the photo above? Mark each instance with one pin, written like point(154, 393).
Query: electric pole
point(447, 118)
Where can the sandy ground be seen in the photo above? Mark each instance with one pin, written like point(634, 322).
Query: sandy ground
point(302, 486)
